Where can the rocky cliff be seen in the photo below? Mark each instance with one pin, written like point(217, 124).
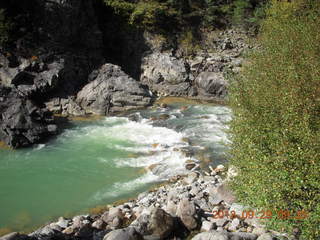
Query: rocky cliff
point(61, 65)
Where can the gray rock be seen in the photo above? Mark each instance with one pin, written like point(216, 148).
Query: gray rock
point(8, 71)
point(30, 83)
point(242, 236)
point(266, 236)
point(158, 225)
point(222, 192)
point(187, 212)
point(211, 83)
point(45, 231)
point(113, 91)
point(259, 231)
point(191, 177)
point(207, 226)
point(99, 224)
point(159, 67)
point(78, 221)
point(85, 231)
point(171, 208)
point(220, 222)
point(238, 209)
point(62, 222)
point(235, 223)
point(212, 235)
point(123, 234)
point(14, 236)
point(166, 74)
point(114, 216)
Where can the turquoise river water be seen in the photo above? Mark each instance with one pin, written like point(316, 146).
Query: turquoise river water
point(100, 161)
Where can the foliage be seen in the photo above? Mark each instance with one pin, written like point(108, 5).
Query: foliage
point(276, 128)
point(4, 28)
point(178, 15)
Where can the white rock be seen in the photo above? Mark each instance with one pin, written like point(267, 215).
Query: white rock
point(207, 226)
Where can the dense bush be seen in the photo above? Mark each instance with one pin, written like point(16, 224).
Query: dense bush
point(276, 128)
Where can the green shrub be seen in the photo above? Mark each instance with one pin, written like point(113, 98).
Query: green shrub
point(276, 126)
point(151, 15)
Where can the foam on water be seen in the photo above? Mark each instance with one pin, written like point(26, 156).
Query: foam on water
point(121, 188)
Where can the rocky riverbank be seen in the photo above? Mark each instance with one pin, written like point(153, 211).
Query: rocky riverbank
point(196, 206)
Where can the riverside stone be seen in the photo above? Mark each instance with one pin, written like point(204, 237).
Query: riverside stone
point(234, 224)
point(158, 224)
point(99, 224)
point(207, 226)
point(14, 236)
point(62, 222)
point(266, 236)
point(123, 234)
point(212, 235)
point(242, 236)
point(259, 231)
point(187, 212)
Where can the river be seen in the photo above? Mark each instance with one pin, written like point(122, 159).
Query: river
point(99, 161)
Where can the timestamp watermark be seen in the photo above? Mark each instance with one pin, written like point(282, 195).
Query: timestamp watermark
point(262, 214)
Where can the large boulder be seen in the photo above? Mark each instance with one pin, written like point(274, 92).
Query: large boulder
point(212, 84)
point(22, 122)
point(158, 224)
point(165, 74)
point(112, 90)
point(187, 212)
point(123, 234)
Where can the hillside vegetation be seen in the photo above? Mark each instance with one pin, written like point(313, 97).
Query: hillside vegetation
point(276, 129)
point(178, 15)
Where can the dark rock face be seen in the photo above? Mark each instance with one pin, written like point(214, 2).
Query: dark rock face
point(51, 61)
point(64, 46)
point(31, 77)
point(22, 121)
point(112, 91)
